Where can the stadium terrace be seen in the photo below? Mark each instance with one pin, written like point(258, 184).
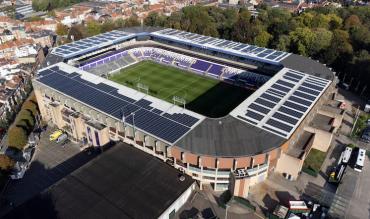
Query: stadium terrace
point(226, 113)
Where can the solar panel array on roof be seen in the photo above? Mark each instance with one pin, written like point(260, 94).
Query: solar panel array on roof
point(106, 99)
point(221, 44)
point(284, 103)
point(90, 43)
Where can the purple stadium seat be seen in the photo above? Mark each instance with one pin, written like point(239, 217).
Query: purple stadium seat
point(200, 65)
point(215, 69)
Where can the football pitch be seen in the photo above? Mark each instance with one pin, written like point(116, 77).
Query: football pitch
point(203, 95)
point(163, 81)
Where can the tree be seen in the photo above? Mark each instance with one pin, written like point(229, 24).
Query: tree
point(321, 40)
point(262, 39)
point(132, 21)
point(119, 23)
point(40, 5)
point(196, 19)
point(61, 30)
point(302, 40)
point(340, 48)
point(283, 43)
point(360, 36)
point(306, 19)
point(154, 19)
point(6, 163)
point(352, 21)
point(3, 124)
point(29, 105)
point(107, 26)
point(76, 33)
point(34, 18)
point(17, 137)
point(93, 28)
point(335, 21)
point(238, 32)
point(174, 21)
point(51, 13)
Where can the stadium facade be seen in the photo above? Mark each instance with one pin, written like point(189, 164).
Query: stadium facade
point(267, 132)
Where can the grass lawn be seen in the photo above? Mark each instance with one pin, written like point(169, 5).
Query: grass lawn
point(203, 95)
point(313, 162)
point(360, 125)
point(164, 81)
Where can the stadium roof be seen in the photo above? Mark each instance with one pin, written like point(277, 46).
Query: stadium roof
point(228, 137)
point(157, 117)
point(116, 36)
point(272, 113)
point(122, 182)
point(91, 43)
point(226, 46)
point(288, 60)
point(308, 66)
point(280, 105)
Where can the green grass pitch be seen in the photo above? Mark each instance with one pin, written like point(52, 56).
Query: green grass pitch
point(203, 95)
point(164, 81)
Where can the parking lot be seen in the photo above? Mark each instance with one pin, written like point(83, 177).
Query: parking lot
point(353, 195)
point(51, 162)
point(203, 204)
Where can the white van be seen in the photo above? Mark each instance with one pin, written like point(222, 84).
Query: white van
point(62, 138)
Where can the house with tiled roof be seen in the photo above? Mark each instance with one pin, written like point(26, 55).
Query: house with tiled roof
point(7, 49)
point(41, 25)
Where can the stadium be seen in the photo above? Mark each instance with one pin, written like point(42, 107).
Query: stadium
point(226, 113)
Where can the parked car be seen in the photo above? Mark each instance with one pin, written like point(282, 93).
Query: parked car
point(365, 137)
point(368, 122)
point(344, 86)
point(55, 135)
point(61, 138)
point(19, 170)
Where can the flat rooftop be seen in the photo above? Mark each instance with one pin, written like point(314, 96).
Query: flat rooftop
point(307, 66)
point(329, 108)
point(157, 117)
point(122, 182)
point(322, 122)
point(228, 137)
point(281, 104)
point(297, 149)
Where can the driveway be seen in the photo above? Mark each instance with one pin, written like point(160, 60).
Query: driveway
point(50, 164)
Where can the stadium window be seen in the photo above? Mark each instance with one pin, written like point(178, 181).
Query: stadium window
point(224, 169)
point(208, 177)
point(222, 178)
point(192, 165)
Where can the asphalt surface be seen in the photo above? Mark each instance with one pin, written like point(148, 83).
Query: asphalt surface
point(352, 198)
point(205, 204)
point(353, 194)
point(51, 162)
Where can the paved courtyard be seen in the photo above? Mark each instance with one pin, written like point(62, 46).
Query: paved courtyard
point(204, 203)
point(51, 162)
